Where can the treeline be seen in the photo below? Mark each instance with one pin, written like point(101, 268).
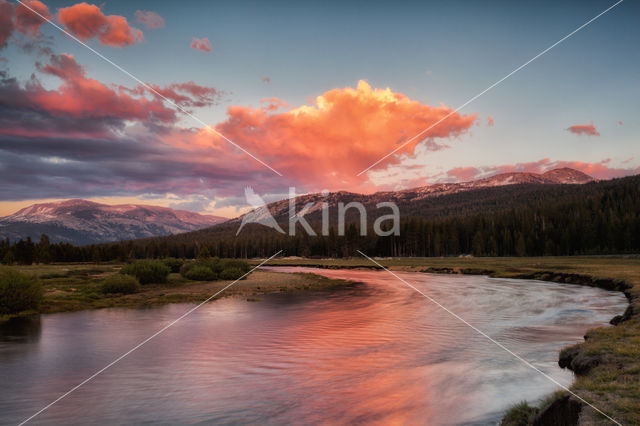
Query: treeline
point(26, 252)
point(606, 221)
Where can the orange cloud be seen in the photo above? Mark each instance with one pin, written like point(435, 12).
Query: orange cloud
point(489, 121)
point(201, 44)
point(326, 144)
point(584, 129)
point(150, 19)
point(87, 21)
point(272, 104)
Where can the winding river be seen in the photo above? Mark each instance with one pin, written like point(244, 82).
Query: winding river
point(377, 352)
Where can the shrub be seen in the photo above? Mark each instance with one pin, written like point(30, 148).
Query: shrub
point(210, 263)
point(173, 263)
point(200, 273)
point(18, 292)
point(119, 283)
point(147, 271)
point(231, 273)
point(186, 267)
point(242, 265)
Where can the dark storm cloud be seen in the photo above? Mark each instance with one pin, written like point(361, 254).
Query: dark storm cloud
point(58, 167)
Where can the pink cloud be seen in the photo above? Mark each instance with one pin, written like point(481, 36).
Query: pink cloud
point(266, 80)
point(464, 174)
point(189, 94)
point(81, 96)
point(84, 107)
point(150, 19)
point(20, 18)
point(202, 44)
point(6, 22)
point(620, 122)
point(87, 21)
point(599, 170)
point(490, 121)
point(28, 22)
point(584, 129)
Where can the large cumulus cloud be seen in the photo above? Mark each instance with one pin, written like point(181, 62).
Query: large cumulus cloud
point(326, 144)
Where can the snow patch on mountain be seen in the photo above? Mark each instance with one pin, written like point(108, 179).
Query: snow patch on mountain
point(86, 222)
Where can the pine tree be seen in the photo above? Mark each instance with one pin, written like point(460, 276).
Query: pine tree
point(44, 250)
point(204, 253)
point(521, 246)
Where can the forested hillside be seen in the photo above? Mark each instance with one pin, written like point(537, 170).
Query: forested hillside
point(519, 220)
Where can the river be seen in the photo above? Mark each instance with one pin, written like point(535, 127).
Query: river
point(377, 352)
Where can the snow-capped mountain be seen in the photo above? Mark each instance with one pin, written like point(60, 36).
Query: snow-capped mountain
point(563, 175)
point(411, 199)
point(84, 222)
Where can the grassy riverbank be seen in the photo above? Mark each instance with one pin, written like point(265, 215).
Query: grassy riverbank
point(74, 287)
point(607, 363)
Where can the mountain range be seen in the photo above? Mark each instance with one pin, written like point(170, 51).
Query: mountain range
point(563, 175)
point(410, 200)
point(82, 222)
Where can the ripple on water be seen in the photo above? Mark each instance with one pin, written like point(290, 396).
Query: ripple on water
point(378, 352)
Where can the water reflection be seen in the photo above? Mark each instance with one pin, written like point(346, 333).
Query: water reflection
point(18, 336)
point(376, 353)
point(21, 330)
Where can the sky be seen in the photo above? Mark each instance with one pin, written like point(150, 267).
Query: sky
point(316, 91)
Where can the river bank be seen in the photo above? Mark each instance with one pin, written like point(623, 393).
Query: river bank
point(606, 364)
point(76, 287)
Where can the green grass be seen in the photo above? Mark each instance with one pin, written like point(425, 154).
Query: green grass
point(73, 287)
point(520, 414)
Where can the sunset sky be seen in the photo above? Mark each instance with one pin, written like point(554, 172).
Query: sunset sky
point(318, 91)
